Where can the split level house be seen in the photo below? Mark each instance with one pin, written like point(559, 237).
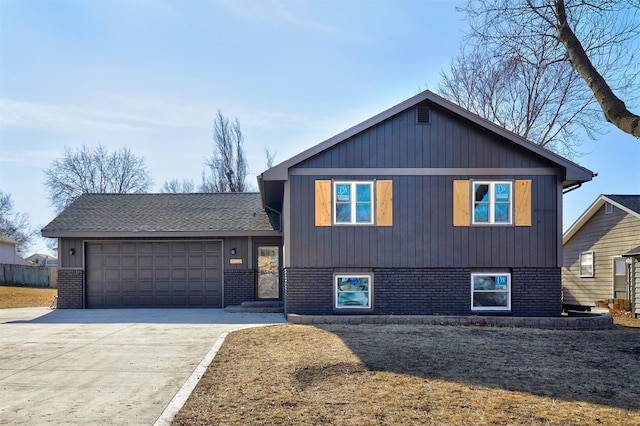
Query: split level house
point(424, 208)
point(602, 256)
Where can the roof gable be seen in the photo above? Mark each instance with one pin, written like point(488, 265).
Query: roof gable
point(121, 215)
point(574, 173)
point(628, 203)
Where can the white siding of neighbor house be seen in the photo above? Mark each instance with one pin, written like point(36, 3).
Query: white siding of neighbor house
point(607, 236)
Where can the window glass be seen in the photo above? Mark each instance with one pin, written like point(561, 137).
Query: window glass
point(490, 291)
point(492, 202)
point(586, 264)
point(353, 202)
point(353, 291)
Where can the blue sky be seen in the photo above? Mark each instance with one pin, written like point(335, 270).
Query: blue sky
point(150, 75)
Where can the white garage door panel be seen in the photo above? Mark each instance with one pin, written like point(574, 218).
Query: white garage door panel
point(154, 274)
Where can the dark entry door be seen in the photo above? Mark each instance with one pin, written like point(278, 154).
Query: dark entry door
point(268, 281)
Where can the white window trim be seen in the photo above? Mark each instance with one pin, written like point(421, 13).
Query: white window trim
point(492, 201)
point(353, 202)
point(491, 308)
point(354, 275)
point(608, 208)
point(593, 265)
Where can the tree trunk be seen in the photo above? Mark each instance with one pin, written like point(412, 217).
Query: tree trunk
point(615, 110)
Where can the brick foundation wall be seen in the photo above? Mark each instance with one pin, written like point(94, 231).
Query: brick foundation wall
point(238, 286)
point(535, 292)
point(308, 291)
point(70, 283)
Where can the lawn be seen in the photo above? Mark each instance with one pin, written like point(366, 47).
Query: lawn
point(406, 374)
point(25, 297)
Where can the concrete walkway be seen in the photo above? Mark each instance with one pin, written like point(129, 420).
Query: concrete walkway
point(110, 366)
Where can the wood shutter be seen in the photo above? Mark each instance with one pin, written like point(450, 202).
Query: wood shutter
point(323, 203)
point(522, 198)
point(461, 203)
point(384, 203)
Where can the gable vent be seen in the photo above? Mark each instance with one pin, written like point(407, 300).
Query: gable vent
point(423, 112)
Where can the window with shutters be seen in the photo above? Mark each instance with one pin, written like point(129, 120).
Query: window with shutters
point(340, 203)
point(492, 203)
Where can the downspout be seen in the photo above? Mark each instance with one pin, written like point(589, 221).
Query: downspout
point(633, 288)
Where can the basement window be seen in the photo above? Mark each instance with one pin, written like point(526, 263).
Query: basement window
point(353, 291)
point(491, 292)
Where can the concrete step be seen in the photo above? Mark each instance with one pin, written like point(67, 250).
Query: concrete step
point(255, 310)
point(263, 304)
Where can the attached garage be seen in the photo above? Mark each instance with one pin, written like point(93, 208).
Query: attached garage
point(164, 250)
point(154, 274)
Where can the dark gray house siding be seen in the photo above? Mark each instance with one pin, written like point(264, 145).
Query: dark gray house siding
point(423, 262)
point(423, 234)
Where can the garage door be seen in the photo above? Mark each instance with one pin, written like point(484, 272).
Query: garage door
point(154, 274)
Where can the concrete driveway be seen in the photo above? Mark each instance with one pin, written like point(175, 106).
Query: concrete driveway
point(110, 366)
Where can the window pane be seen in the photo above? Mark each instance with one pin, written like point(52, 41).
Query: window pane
point(484, 283)
point(481, 192)
point(481, 213)
point(353, 284)
point(363, 213)
point(501, 213)
point(363, 193)
point(502, 192)
point(490, 299)
point(343, 192)
point(343, 213)
point(353, 299)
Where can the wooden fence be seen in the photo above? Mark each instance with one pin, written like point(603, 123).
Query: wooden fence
point(32, 276)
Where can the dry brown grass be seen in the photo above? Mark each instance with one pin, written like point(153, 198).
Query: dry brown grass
point(25, 297)
point(402, 374)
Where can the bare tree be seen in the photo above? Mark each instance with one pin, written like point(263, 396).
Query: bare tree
point(227, 166)
point(598, 38)
point(535, 97)
point(95, 170)
point(15, 225)
point(177, 187)
point(270, 157)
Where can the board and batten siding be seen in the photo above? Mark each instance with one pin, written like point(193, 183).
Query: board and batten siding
point(448, 141)
point(608, 236)
point(423, 234)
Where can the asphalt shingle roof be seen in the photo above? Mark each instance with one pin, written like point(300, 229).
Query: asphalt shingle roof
point(135, 213)
point(632, 202)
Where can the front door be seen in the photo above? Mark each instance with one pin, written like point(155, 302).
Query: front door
point(268, 282)
point(620, 287)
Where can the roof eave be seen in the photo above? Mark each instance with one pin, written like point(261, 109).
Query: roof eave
point(159, 234)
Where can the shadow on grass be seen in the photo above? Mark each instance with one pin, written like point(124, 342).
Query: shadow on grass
point(600, 367)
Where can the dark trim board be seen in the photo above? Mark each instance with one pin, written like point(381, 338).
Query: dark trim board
point(444, 171)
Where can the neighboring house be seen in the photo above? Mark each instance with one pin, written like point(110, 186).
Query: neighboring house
point(601, 253)
point(423, 209)
point(40, 259)
point(8, 252)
